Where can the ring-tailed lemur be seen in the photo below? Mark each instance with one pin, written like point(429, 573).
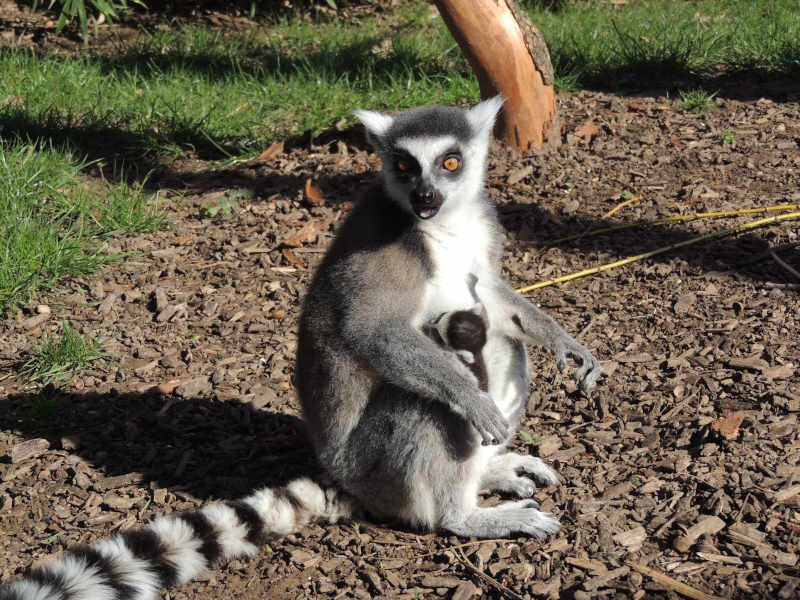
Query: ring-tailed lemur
point(398, 422)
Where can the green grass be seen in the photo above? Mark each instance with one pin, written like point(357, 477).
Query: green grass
point(727, 138)
point(53, 225)
point(593, 43)
point(190, 90)
point(196, 91)
point(127, 209)
point(697, 101)
point(61, 355)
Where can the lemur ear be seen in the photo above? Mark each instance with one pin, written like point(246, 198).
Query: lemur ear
point(482, 116)
point(377, 124)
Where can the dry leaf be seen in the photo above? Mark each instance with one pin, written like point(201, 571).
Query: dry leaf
point(236, 110)
point(275, 148)
point(306, 234)
point(292, 258)
point(633, 105)
point(587, 131)
point(14, 101)
point(184, 240)
point(277, 314)
point(169, 386)
point(313, 193)
point(728, 425)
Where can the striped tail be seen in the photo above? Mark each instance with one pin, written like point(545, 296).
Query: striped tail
point(137, 564)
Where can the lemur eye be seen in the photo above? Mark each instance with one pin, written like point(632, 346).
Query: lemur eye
point(402, 165)
point(451, 163)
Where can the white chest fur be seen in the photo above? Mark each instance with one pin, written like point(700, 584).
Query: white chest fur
point(458, 247)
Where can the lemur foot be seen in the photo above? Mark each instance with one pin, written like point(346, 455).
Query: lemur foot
point(503, 474)
point(507, 519)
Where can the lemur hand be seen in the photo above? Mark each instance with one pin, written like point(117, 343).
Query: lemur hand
point(484, 415)
point(589, 371)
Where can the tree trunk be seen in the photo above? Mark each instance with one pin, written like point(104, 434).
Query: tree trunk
point(508, 55)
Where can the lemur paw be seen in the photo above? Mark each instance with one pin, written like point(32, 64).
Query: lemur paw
point(589, 371)
point(525, 517)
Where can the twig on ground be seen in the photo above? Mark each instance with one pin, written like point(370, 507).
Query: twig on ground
point(671, 583)
point(785, 265)
point(742, 507)
point(585, 329)
point(457, 546)
point(630, 259)
point(630, 186)
point(487, 578)
point(622, 204)
point(781, 286)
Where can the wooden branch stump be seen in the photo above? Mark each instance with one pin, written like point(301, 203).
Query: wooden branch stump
point(509, 56)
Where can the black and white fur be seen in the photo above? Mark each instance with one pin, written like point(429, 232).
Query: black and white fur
point(174, 549)
point(397, 421)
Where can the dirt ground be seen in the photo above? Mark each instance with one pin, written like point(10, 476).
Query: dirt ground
point(685, 460)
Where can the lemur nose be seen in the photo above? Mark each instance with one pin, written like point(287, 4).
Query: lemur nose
point(425, 195)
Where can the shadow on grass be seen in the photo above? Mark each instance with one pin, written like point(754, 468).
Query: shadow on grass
point(667, 66)
point(353, 60)
point(207, 448)
point(744, 85)
point(660, 73)
point(95, 140)
point(112, 138)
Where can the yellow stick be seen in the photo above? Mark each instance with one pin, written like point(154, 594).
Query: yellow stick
point(630, 259)
point(622, 205)
point(675, 218)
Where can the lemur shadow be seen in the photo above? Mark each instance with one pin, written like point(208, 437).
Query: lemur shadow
point(206, 448)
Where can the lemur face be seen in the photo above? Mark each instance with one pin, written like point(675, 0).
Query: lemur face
point(434, 158)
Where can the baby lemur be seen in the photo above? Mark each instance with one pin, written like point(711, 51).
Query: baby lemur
point(464, 332)
point(401, 424)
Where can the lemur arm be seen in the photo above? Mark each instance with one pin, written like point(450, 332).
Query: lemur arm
point(404, 356)
point(518, 318)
